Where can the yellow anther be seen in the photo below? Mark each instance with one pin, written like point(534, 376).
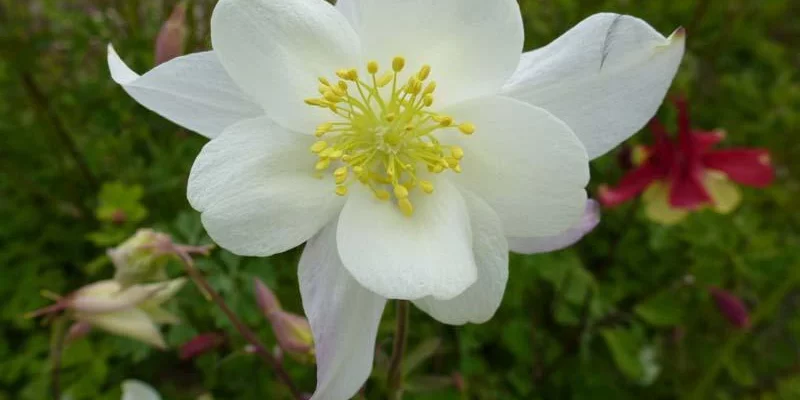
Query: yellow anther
point(438, 168)
point(427, 186)
point(323, 88)
point(382, 195)
point(326, 153)
point(343, 74)
point(338, 91)
point(398, 64)
point(324, 81)
point(457, 152)
point(332, 97)
point(325, 127)
point(358, 170)
point(430, 88)
point(400, 192)
point(341, 171)
point(317, 147)
point(352, 74)
point(372, 67)
point(414, 86)
point(317, 102)
point(322, 165)
point(424, 72)
point(391, 117)
point(336, 154)
point(427, 100)
point(385, 79)
point(451, 161)
point(341, 190)
point(342, 85)
point(445, 121)
point(340, 179)
point(457, 168)
point(467, 128)
point(406, 207)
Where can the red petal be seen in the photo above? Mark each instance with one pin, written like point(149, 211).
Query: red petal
point(706, 140)
point(630, 186)
point(751, 167)
point(201, 344)
point(687, 191)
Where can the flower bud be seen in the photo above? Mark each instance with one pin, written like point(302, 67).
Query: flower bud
point(293, 333)
point(169, 43)
point(77, 331)
point(267, 301)
point(200, 345)
point(141, 258)
point(731, 307)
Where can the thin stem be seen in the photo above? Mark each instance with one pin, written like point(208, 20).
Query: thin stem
point(764, 310)
point(243, 330)
point(56, 351)
point(395, 375)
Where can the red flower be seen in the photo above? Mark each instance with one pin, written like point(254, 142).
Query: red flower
point(679, 177)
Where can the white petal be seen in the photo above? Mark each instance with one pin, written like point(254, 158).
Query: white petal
point(535, 245)
point(605, 78)
point(133, 323)
point(344, 318)
point(527, 165)
point(478, 303)
point(255, 188)
point(400, 257)
point(193, 91)
point(136, 390)
point(276, 49)
point(473, 46)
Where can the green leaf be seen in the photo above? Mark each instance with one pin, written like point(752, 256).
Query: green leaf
point(624, 351)
point(663, 309)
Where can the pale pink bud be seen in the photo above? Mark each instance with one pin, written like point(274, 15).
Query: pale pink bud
point(731, 307)
point(78, 331)
point(200, 345)
point(169, 43)
point(293, 333)
point(266, 300)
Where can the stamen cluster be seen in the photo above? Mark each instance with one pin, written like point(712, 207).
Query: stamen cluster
point(384, 139)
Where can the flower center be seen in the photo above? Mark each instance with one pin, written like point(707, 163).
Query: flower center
point(384, 139)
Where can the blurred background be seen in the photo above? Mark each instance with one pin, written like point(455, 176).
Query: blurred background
point(628, 313)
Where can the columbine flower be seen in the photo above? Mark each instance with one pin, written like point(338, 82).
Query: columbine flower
point(144, 256)
point(140, 258)
point(405, 141)
point(134, 312)
point(677, 178)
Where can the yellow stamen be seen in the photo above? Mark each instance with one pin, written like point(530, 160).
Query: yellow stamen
point(372, 67)
point(398, 64)
point(467, 128)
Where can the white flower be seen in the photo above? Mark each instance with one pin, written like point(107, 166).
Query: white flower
point(134, 312)
point(137, 390)
point(325, 128)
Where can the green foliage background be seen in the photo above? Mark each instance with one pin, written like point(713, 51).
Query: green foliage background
point(623, 315)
